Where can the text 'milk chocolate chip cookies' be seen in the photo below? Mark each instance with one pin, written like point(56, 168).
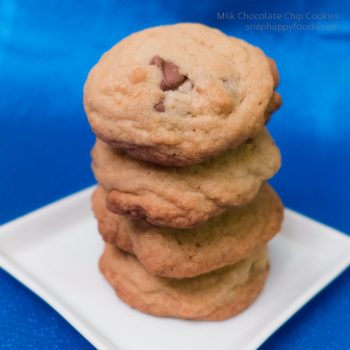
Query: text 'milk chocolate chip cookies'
point(182, 157)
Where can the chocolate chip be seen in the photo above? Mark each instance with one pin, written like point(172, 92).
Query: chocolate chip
point(159, 107)
point(157, 61)
point(274, 104)
point(172, 78)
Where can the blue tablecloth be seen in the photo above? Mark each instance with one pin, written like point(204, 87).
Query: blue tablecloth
point(46, 51)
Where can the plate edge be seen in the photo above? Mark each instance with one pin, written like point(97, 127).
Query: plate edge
point(298, 304)
point(54, 302)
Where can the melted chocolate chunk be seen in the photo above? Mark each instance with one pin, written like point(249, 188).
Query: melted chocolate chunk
point(172, 78)
point(159, 107)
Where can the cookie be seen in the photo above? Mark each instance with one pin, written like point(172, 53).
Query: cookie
point(184, 197)
point(180, 94)
point(108, 222)
point(218, 295)
point(177, 253)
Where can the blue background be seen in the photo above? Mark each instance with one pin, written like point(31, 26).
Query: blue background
point(46, 51)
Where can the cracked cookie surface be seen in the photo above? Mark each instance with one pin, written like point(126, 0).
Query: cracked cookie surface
point(179, 94)
point(184, 197)
point(214, 296)
point(177, 253)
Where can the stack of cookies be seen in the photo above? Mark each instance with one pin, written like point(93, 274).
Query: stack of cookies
point(182, 157)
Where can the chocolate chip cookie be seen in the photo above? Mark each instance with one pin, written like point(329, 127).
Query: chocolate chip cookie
point(184, 197)
point(178, 253)
point(214, 296)
point(180, 94)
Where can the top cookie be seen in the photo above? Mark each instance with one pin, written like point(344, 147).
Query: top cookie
point(177, 95)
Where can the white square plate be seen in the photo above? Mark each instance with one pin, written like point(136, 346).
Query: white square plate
point(54, 251)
